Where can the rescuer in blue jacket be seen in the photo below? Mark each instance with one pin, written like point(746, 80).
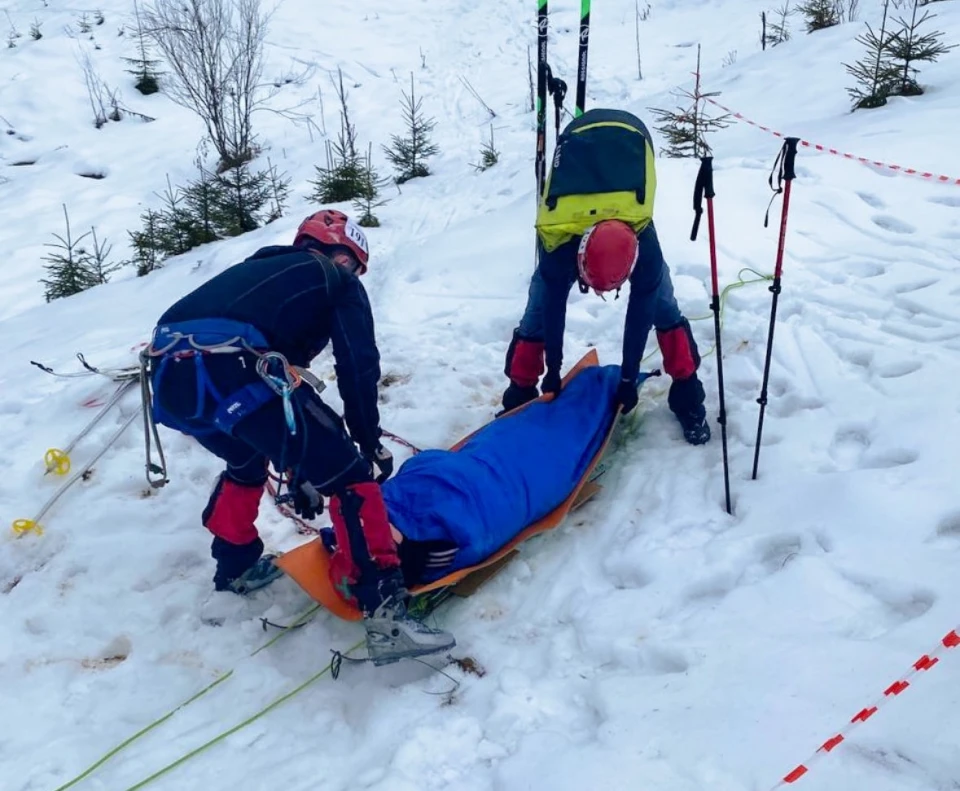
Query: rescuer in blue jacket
point(227, 366)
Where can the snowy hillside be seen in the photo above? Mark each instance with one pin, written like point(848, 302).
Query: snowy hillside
point(654, 642)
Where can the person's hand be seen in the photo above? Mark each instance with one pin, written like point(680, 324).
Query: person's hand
point(307, 502)
point(382, 459)
point(551, 383)
point(627, 395)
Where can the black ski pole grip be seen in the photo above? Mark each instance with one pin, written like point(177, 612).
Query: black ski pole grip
point(703, 186)
point(790, 158)
point(706, 167)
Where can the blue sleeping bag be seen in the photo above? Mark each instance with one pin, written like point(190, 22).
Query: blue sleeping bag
point(513, 472)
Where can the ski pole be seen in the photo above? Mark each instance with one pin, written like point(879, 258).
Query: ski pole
point(582, 58)
point(704, 189)
point(541, 159)
point(786, 161)
point(57, 460)
point(23, 526)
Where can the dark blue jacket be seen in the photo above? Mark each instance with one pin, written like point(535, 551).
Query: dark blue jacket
point(559, 271)
point(301, 301)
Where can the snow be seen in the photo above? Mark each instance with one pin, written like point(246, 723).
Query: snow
point(654, 641)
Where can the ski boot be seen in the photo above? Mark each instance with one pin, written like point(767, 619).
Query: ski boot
point(258, 576)
point(393, 635)
point(696, 429)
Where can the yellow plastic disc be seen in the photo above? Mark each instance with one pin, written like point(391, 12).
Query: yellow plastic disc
point(24, 526)
point(57, 461)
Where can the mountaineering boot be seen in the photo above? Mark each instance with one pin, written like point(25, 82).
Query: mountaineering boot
point(686, 399)
point(258, 576)
point(242, 568)
point(393, 635)
point(696, 430)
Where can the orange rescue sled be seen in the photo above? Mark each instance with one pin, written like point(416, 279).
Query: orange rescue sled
point(309, 564)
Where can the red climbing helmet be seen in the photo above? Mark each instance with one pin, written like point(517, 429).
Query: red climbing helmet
point(334, 229)
point(607, 255)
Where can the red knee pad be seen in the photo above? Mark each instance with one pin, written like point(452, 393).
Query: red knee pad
point(360, 512)
point(232, 511)
point(680, 355)
point(525, 363)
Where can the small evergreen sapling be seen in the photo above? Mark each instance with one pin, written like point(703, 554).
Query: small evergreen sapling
point(200, 197)
point(408, 154)
point(278, 192)
point(686, 127)
point(73, 268)
point(777, 29)
point(489, 155)
point(342, 179)
point(239, 198)
point(371, 194)
point(144, 67)
point(875, 73)
point(147, 251)
point(820, 14)
point(910, 46)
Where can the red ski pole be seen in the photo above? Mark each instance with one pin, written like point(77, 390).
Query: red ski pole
point(786, 160)
point(704, 189)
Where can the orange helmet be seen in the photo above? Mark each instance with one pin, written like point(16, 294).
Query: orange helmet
point(334, 229)
point(608, 252)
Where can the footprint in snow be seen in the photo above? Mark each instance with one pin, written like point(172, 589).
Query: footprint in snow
point(893, 224)
point(871, 200)
point(946, 200)
point(949, 526)
point(897, 368)
point(885, 606)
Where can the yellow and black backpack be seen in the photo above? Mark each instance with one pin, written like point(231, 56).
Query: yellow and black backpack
point(603, 169)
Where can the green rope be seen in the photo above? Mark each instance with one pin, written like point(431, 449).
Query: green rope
point(142, 732)
point(738, 283)
point(196, 696)
point(253, 718)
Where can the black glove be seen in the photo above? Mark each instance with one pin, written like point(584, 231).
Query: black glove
point(516, 396)
point(627, 395)
point(383, 459)
point(551, 383)
point(307, 502)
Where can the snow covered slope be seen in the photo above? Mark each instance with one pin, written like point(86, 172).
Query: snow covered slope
point(653, 643)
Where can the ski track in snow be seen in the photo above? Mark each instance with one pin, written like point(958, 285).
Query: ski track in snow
point(651, 642)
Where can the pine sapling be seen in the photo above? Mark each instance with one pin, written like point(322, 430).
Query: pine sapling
point(143, 66)
point(97, 257)
point(910, 46)
point(342, 178)
point(176, 230)
point(148, 253)
point(278, 192)
point(68, 267)
point(820, 14)
point(875, 73)
point(686, 127)
point(408, 154)
point(777, 27)
point(489, 155)
point(35, 33)
point(371, 195)
point(199, 196)
point(240, 196)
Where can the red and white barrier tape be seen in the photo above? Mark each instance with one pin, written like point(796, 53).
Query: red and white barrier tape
point(924, 663)
point(827, 150)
